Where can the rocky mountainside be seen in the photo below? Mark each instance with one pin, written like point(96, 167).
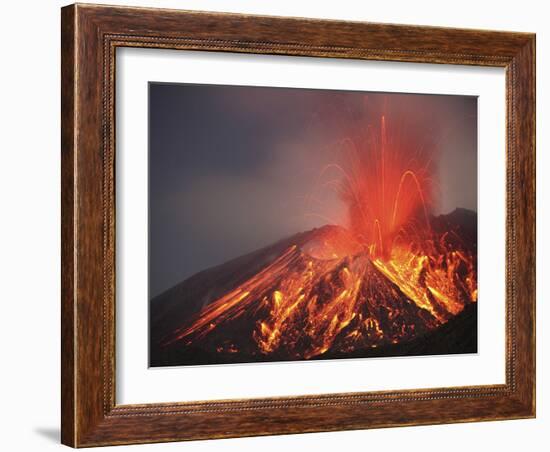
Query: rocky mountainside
point(319, 295)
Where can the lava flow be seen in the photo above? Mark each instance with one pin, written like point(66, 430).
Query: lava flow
point(393, 274)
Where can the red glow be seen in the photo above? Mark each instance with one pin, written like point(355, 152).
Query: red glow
point(388, 277)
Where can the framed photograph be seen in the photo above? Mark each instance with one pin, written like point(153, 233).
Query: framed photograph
point(281, 225)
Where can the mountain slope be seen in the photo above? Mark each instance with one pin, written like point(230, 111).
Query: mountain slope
point(317, 295)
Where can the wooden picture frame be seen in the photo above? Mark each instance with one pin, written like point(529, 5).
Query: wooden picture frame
point(90, 36)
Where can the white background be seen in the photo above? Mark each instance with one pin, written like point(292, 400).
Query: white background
point(138, 384)
point(29, 230)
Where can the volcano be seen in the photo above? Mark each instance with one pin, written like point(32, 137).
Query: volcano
point(321, 294)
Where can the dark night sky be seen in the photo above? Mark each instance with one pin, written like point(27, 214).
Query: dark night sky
point(230, 167)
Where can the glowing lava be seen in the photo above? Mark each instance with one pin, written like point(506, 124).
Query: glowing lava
point(392, 275)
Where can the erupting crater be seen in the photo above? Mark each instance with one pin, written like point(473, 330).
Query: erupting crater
point(396, 280)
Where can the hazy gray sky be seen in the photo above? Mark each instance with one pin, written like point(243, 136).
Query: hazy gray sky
point(233, 169)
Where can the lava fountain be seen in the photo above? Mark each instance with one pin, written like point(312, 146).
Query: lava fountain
point(392, 274)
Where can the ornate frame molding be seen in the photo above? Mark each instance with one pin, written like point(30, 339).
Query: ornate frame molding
point(90, 37)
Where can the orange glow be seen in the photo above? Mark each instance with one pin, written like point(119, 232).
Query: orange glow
point(387, 278)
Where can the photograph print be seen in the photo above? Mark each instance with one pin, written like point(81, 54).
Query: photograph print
point(291, 224)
